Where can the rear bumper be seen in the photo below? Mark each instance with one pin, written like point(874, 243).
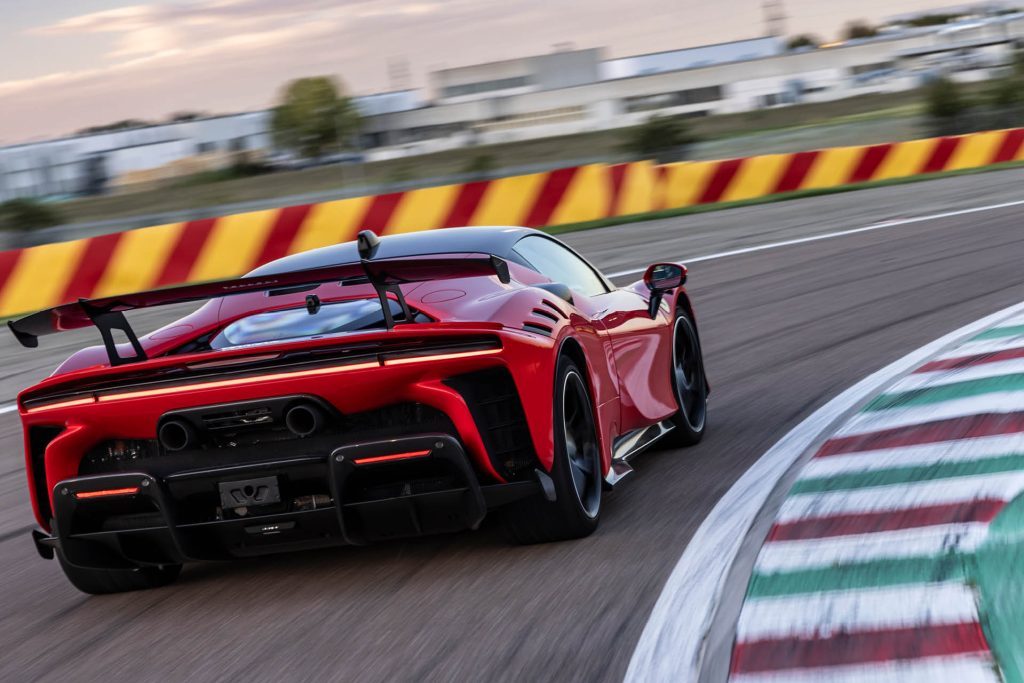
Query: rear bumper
point(129, 519)
point(67, 431)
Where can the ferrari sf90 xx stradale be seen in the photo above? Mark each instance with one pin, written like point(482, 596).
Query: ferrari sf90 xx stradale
point(378, 389)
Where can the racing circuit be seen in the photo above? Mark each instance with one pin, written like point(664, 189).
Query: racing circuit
point(797, 301)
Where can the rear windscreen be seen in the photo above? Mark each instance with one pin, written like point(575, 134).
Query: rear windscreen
point(297, 323)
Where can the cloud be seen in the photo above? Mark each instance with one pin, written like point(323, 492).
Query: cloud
point(216, 55)
point(208, 31)
point(196, 12)
point(151, 29)
point(232, 55)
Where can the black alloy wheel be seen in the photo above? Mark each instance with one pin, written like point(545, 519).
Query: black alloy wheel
point(576, 471)
point(689, 383)
point(580, 434)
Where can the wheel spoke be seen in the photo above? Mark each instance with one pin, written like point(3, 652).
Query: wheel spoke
point(687, 397)
point(571, 412)
point(584, 463)
point(579, 477)
point(570, 445)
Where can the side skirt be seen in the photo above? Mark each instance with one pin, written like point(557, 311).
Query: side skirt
point(631, 444)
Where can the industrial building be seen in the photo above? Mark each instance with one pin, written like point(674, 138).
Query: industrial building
point(564, 92)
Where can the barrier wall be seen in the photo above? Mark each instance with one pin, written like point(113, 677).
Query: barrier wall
point(44, 276)
point(706, 182)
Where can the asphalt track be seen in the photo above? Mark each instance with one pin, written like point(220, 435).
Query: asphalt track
point(784, 330)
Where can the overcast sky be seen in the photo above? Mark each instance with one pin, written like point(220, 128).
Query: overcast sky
point(66, 64)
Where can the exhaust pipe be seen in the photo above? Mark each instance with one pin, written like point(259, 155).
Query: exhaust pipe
point(176, 435)
point(304, 419)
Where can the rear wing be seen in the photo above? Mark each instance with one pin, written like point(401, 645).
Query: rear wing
point(385, 275)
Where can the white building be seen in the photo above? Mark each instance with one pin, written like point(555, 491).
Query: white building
point(88, 163)
point(565, 92)
point(510, 101)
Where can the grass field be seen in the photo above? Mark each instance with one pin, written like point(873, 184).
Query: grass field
point(860, 120)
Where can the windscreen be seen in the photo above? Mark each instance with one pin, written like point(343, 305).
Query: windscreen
point(297, 323)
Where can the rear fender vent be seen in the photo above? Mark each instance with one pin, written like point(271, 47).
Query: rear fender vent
point(554, 308)
point(546, 314)
point(494, 403)
point(38, 439)
point(538, 328)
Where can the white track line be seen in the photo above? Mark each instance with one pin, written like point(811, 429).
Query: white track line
point(962, 669)
point(821, 615)
point(924, 455)
point(817, 553)
point(839, 233)
point(671, 645)
point(8, 408)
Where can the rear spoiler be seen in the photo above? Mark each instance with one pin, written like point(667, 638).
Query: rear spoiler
point(385, 275)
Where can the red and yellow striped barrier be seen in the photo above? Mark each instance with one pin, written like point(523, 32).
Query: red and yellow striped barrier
point(707, 182)
point(44, 276)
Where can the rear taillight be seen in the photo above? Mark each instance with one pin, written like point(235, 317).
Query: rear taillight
point(107, 493)
point(391, 458)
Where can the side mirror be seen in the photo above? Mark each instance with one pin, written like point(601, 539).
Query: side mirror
point(661, 278)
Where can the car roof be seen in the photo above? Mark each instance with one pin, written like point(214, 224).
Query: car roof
point(496, 240)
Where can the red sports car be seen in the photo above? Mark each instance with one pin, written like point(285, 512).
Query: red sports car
point(377, 389)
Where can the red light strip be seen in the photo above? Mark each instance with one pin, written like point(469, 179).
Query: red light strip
point(262, 378)
point(235, 382)
point(440, 356)
point(108, 493)
point(63, 404)
point(389, 458)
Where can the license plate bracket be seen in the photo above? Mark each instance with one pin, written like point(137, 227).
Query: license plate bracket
point(249, 493)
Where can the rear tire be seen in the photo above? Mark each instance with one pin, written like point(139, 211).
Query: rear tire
point(576, 471)
point(105, 581)
point(689, 384)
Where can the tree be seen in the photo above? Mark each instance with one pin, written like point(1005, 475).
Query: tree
point(28, 214)
point(662, 137)
point(933, 19)
point(946, 107)
point(803, 40)
point(945, 100)
point(859, 29)
point(184, 116)
point(1008, 91)
point(480, 165)
point(126, 124)
point(312, 116)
